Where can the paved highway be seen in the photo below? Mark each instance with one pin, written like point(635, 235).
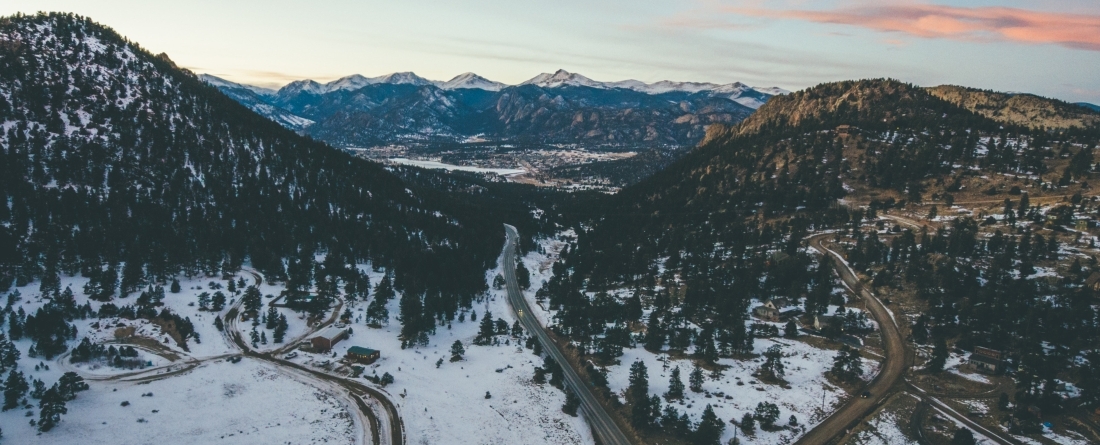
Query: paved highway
point(894, 348)
point(606, 430)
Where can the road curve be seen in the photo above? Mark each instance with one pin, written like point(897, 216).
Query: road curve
point(897, 358)
point(606, 430)
point(356, 390)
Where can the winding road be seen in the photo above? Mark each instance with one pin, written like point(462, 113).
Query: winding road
point(603, 426)
point(370, 401)
point(898, 358)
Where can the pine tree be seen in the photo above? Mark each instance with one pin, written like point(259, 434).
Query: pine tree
point(766, 413)
point(773, 362)
point(377, 314)
point(280, 329)
point(710, 428)
point(963, 436)
point(204, 301)
point(486, 331)
point(748, 424)
point(939, 356)
point(695, 380)
point(638, 389)
point(70, 384)
point(15, 387)
point(791, 329)
point(271, 319)
point(675, 385)
point(457, 350)
point(411, 311)
point(572, 402)
point(523, 276)
point(218, 323)
point(51, 407)
point(218, 301)
point(175, 286)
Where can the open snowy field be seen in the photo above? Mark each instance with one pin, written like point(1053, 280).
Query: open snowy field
point(218, 402)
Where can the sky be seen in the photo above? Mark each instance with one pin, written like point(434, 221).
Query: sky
point(1050, 48)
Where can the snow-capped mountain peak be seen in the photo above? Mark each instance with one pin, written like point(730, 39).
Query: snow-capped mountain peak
point(404, 78)
point(472, 81)
point(563, 78)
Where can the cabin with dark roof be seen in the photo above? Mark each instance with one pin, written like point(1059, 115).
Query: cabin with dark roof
point(990, 361)
point(362, 355)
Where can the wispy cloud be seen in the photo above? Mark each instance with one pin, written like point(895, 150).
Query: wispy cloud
point(1073, 30)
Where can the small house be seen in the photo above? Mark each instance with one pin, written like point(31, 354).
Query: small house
point(988, 360)
point(775, 310)
point(846, 130)
point(821, 321)
point(363, 355)
point(327, 338)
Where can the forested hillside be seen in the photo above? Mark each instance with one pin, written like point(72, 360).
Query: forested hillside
point(695, 245)
point(114, 160)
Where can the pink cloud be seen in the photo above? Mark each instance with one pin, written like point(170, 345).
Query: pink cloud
point(1080, 31)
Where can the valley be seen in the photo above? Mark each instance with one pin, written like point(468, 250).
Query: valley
point(393, 260)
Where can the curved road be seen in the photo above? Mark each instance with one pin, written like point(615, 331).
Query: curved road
point(605, 428)
point(357, 390)
point(894, 348)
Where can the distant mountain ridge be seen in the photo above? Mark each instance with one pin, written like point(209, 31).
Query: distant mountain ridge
point(560, 107)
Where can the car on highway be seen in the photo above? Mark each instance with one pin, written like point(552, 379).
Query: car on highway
point(865, 395)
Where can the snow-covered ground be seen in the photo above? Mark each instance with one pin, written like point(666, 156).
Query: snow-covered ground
point(254, 403)
point(219, 402)
point(882, 430)
point(447, 404)
point(805, 366)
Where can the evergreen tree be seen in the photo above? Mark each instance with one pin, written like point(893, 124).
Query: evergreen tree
point(523, 276)
point(412, 309)
point(175, 289)
point(790, 330)
point(457, 350)
point(70, 384)
point(675, 385)
point(218, 323)
point(572, 402)
point(695, 380)
point(377, 313)
point(748, 424)
point(710, 428)
point(963, 436)
point(281, 327)
point(773, 362)
point(486, 331)
point(252, 301)
point(939, 356)
point(766, 413)
point(217, 302)
point(51, 407)
point(15, 387)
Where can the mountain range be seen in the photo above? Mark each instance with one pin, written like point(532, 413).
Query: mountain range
point(560, 107)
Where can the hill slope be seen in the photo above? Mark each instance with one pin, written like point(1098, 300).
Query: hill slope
point(113, 155)
point(1018, 109)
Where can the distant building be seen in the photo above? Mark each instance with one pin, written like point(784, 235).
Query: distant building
point(821, 321)
point(988, 360)
point(327, 338)
point(776, 310)
point(362, 355)
point(846, 130)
